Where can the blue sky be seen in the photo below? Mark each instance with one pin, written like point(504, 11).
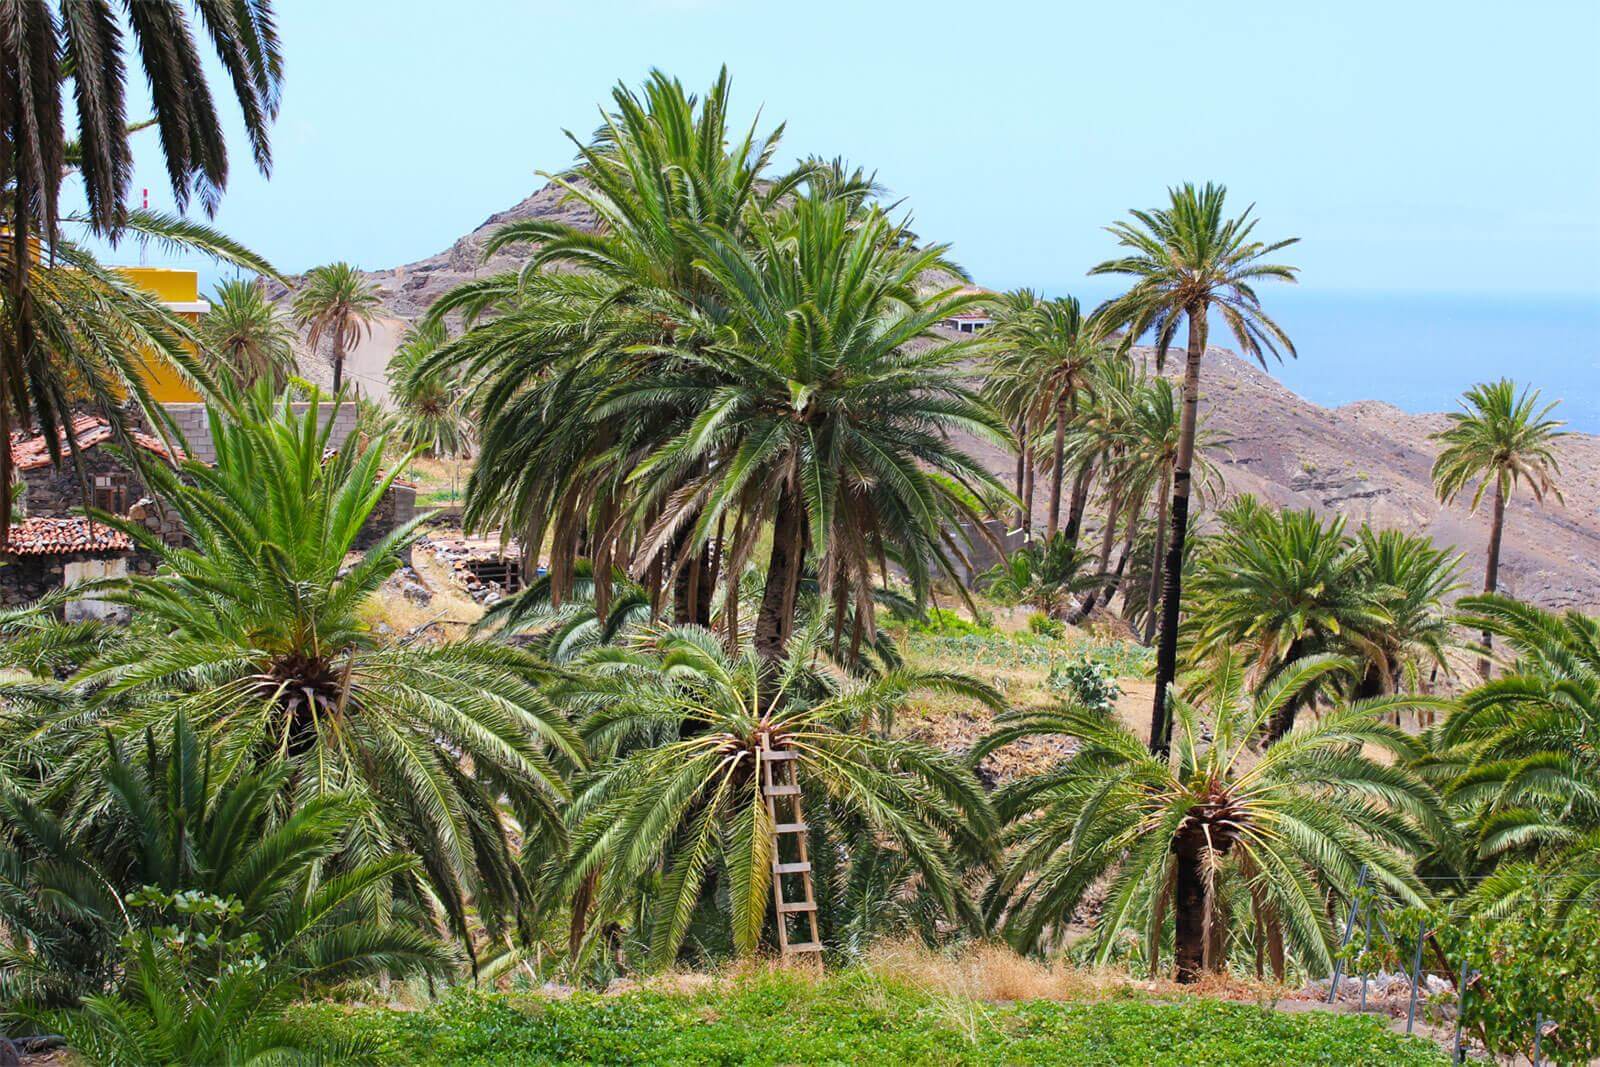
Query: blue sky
point(1413, 146)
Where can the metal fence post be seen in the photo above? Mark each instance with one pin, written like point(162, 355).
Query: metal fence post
point(1349, 928)
point(1538, 1039)
point(1366, 946)
point(1416, 977)
point(1461, 1007)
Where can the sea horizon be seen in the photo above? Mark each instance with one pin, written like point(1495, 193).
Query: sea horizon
point(1420, 350)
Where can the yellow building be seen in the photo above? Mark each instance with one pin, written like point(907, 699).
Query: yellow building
point(179, 291)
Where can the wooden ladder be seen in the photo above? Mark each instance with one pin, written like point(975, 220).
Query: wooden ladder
point(779, 790)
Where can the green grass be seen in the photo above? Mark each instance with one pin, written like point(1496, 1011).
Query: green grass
point(857, 1018)
point(1126, 658)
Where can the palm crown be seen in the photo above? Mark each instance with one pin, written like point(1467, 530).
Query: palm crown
point(678, 727)
point(335, 303)
point(257, 630)
point(1241, 847)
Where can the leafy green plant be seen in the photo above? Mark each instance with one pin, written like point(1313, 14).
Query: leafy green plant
point(944, 622)
point(1088, 682)
point(1531, 965)
point(1042, 625)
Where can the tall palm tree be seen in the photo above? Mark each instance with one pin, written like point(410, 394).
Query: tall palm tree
point(335, 302)
point(1240, 850)
point(257, 631)
point(1054, 346)
point(678, 727)
point(1500, 439)
point(48, 49)
point(1187, 260)
point(547, 344)
point(246, 334)
point(824, 408)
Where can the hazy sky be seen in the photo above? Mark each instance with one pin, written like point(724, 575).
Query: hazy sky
point(1414, 146)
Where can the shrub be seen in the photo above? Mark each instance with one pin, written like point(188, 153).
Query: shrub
point(945, 623)
point(1044, 626)
point(1088, 681)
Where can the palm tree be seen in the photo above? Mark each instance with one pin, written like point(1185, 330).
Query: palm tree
point(430, 411)
point(1240, 849)
point(1045, 574)
point(258, 630)
point(1503, 439)
point(826, 407)
point(248, 337)
point(1412, 578)
point(171, 822)
point(1281, 585)
point(1522, 755)
point(1188, 260)
point(47, 48)
point(1055, 345)
point(546, 345)
point(678, 727)
point(337, 303)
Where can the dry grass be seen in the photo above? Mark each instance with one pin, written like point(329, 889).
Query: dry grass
point(996, 974)
point(447, 614)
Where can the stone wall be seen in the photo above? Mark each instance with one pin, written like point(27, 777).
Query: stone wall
point(56, 492)
point(398, 506)
point(196, 428)
point(24, 579)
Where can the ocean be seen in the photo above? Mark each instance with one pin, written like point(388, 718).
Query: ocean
point(1419, 352)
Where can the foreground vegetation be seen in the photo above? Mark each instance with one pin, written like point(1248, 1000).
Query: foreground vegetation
point(730, 424)
point(855, 1017)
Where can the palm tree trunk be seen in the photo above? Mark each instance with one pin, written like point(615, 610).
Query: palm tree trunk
point(1172, 578)
point(1057, 472)
point(1021, 448)
point(1189, 906)
point(1153, 594)
point(1491, 576)
point(1080, 497)
point(1107, 535)
point(338, 360)
point(1027, 484)
point(1283, 720)
point(783, 569)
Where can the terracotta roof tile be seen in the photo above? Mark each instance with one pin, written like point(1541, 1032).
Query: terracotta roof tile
point(60, 537)
point(31, 452)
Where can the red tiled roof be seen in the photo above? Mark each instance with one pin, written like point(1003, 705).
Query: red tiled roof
point(60, 537)
point(32, 452)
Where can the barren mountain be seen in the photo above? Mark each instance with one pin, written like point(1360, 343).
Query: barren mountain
point(1368, 461)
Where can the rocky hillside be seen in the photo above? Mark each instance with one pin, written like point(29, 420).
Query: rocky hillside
point(1368, 461)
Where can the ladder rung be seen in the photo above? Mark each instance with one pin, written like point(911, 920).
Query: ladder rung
point(774, 755)
point(797, 905)
point(790, 828)
point(803, 946)
point(791, 868)
point(782, 790)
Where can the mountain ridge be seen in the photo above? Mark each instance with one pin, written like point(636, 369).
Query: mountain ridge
point(1368, 460)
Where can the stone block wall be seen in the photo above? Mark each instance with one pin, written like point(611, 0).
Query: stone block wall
point(196, 428)
point(58, 492)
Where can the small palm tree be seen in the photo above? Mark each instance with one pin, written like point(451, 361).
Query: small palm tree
point(1282, 585)
point(1501, 439)
point(335, 302)
point(430, 407)
point(172, 824)
point(678, 727)
point(258, 630)
point(1412, 579)
point(1189, 260)
point(246, 334)
point(1241, 849)
point(1522, 756)
point(1045, 574)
